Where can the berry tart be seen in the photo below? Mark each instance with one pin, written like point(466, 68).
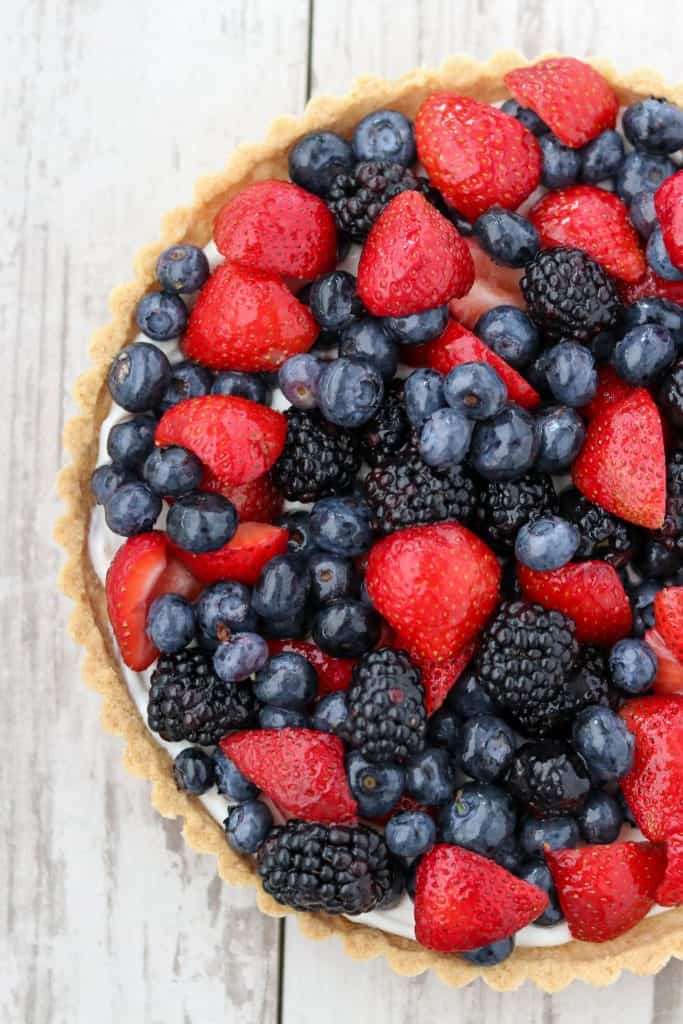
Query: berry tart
point(375, 520)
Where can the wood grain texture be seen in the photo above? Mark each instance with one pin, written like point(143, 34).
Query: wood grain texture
point(110, 111)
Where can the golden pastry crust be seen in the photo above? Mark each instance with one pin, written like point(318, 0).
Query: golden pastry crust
point(643, 950)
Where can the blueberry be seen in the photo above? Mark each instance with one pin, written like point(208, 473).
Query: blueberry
point(642, 598)
point(659, 259)
point(561, 433)
point(138, 377)
point(200, 522)
point(656, 311)
point(423, 392)
point(132, 509)
point(571, 374)
point(172, 472)
point(161, 316)
point(445, 438)
point(130, 442)
point(350, 392)
point(600, 818)
point(604, 742)
point(418, 328)
point(106, 479)
point(298, 525)
point(480, 817)
point(504, 447)
point(330, 712)
point(525, 116)
point(537, 872)
point(223, 607)
point(547, 543)
point(367, 339)
point(444, 729)
point(385, 135)
point(643, 214)
point(641, 172)
point(247, 825)
point(271, 717)
point(317, 159)
point(508, 854)
point(632, 666)
point(193, 771)
point(560, 833)
point(182, 269)
point(281, 590)
point(376, 787)
point(230, 781)
point(288, 680)
point(171, 623)
point(346, 628)
point(489, 956)
point(561, 164)
point(430, 777)
point(488, 745)
point(188, 380)
point(298, 378)
point(243, 385)
point(342, 526)
point(410, 834)
point(510, 333)
point(602, 157)
point(332, 576)
point(509, 239)
point(333, 300)
point(644, 353)
point(467, 698)
point(602, 344)
point(476, 390)
point(294, 628)
point(240, 656)
point(654, 125)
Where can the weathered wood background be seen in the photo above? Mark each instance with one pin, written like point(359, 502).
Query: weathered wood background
point(110, 110)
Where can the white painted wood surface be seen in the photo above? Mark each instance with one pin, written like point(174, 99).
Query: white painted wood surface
point(109, 112)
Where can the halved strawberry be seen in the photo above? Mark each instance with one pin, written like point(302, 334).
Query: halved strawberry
point(475, 154)
point(669, 618)
point(242, 558)
point(247, 319)
point(255, 502)
point(237, 440)
point(413, 259)
point(333, 673)
point(301, 770)
point(141, 570)
point(669, 209)
point(590, 593)
point(571, 97)
point(464, 901)
point(439, 677)
point(611, 388)
point(606, 890)
point(493, 286)
point(622, 464)
point(278, 227)
point(670, 891)
point(648, 286)
point(669, 678)
point(654, 786)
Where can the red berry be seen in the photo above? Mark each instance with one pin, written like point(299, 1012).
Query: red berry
point(654, 786)
point(670, 891)
point(611, 388)
point(669, 618)
point(650, 286)
point(333, 673)
point(669, 678)
point(669, 209)
point(256, 502)
point(439, 677)
point(242, 558)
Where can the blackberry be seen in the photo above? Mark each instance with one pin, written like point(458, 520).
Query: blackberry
point(526, 657)
point(602, 534)
point(549, 778)
point(386, 718)
point(383, 436)
point(507, 505)
point(356, 199)
point(187, 700)
point(318, 460)
point(408, 492)
point(670, 534)
point(336, 869)
point(569, 295)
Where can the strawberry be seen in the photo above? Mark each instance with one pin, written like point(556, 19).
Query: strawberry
point(237, 440)
point(589, 218)
point(606, 890)
point(255, 502)
point(142, 569)
point(439, 677)
point(571, 97)
point(669, 618)
point(669, 209)
point(436, 585)
point(247, 319)
point(654, 786)
point(670, 890)
point(279, 227)
point(458, 345)
point(475, 154)
point(242, 558)
point(333, 673)
point(413, 259)
point(301, 770)
point(648, 286)
point(493, 286)
point(622, 464)
point(590, 593)
point(669, 678)
point(464, 901)
point(610, 389)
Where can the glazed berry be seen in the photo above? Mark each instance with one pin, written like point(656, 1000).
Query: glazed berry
point(230, 781)
point(410, 834)
point(561, 433)
point(188, 380)
point(510, 333)
point(602, 535)
point(444, 729)
point(172, 472)
point(281, 590)
point(336, 869)
point(130, 442)
point(223, 607)
point(494, 953)
point(642, 603)
point(526, 117)
point(430, 776)
point(194, 771)
point(182, 269)
point(342, 526)
point(643, 214)
point(316, 160)
point(106, 479)
point(642, 172)
point(244, 385)
point(358, 198)
point(468, 698)
point(633, 666)
point(161, 316)
point(604, 742)
point(546, 543)
point(200, 522)
point(418, 328)
point(138, 377)
point(382, 437)
point(659, 259)
point(248, 825)
point(537, 872)
point(561, 164)
point(367, 339)
point(480, 818)
point(271, 717)
point(654, 125)
point(445, 438)
point(329, 713)
point(240, 656)
point(298, 379)
point(133, 508)
point(424, 395)
point(332, 576)
point(298, 525)
point(333, 300)
point(376, 787)
point(506, 505)
point(504, 447)
point(318, 459)
point(656, 311)
point(346, 629)
point(487, 746)
point(509, 239)
point(570, 372)
point(600, 818)
point(536, 834)
point(350, 392)
point(171, 623)
point(385, 135)
point(602, 157)
point(548, 778)
point(476, 390)
point(671, 395)
point(288, 680)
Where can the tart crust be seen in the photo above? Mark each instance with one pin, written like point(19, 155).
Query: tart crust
point(643, 950)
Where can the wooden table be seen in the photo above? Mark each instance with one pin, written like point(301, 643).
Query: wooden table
point(110, 111)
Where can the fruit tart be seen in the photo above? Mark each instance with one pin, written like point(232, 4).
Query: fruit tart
point(375, 520)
